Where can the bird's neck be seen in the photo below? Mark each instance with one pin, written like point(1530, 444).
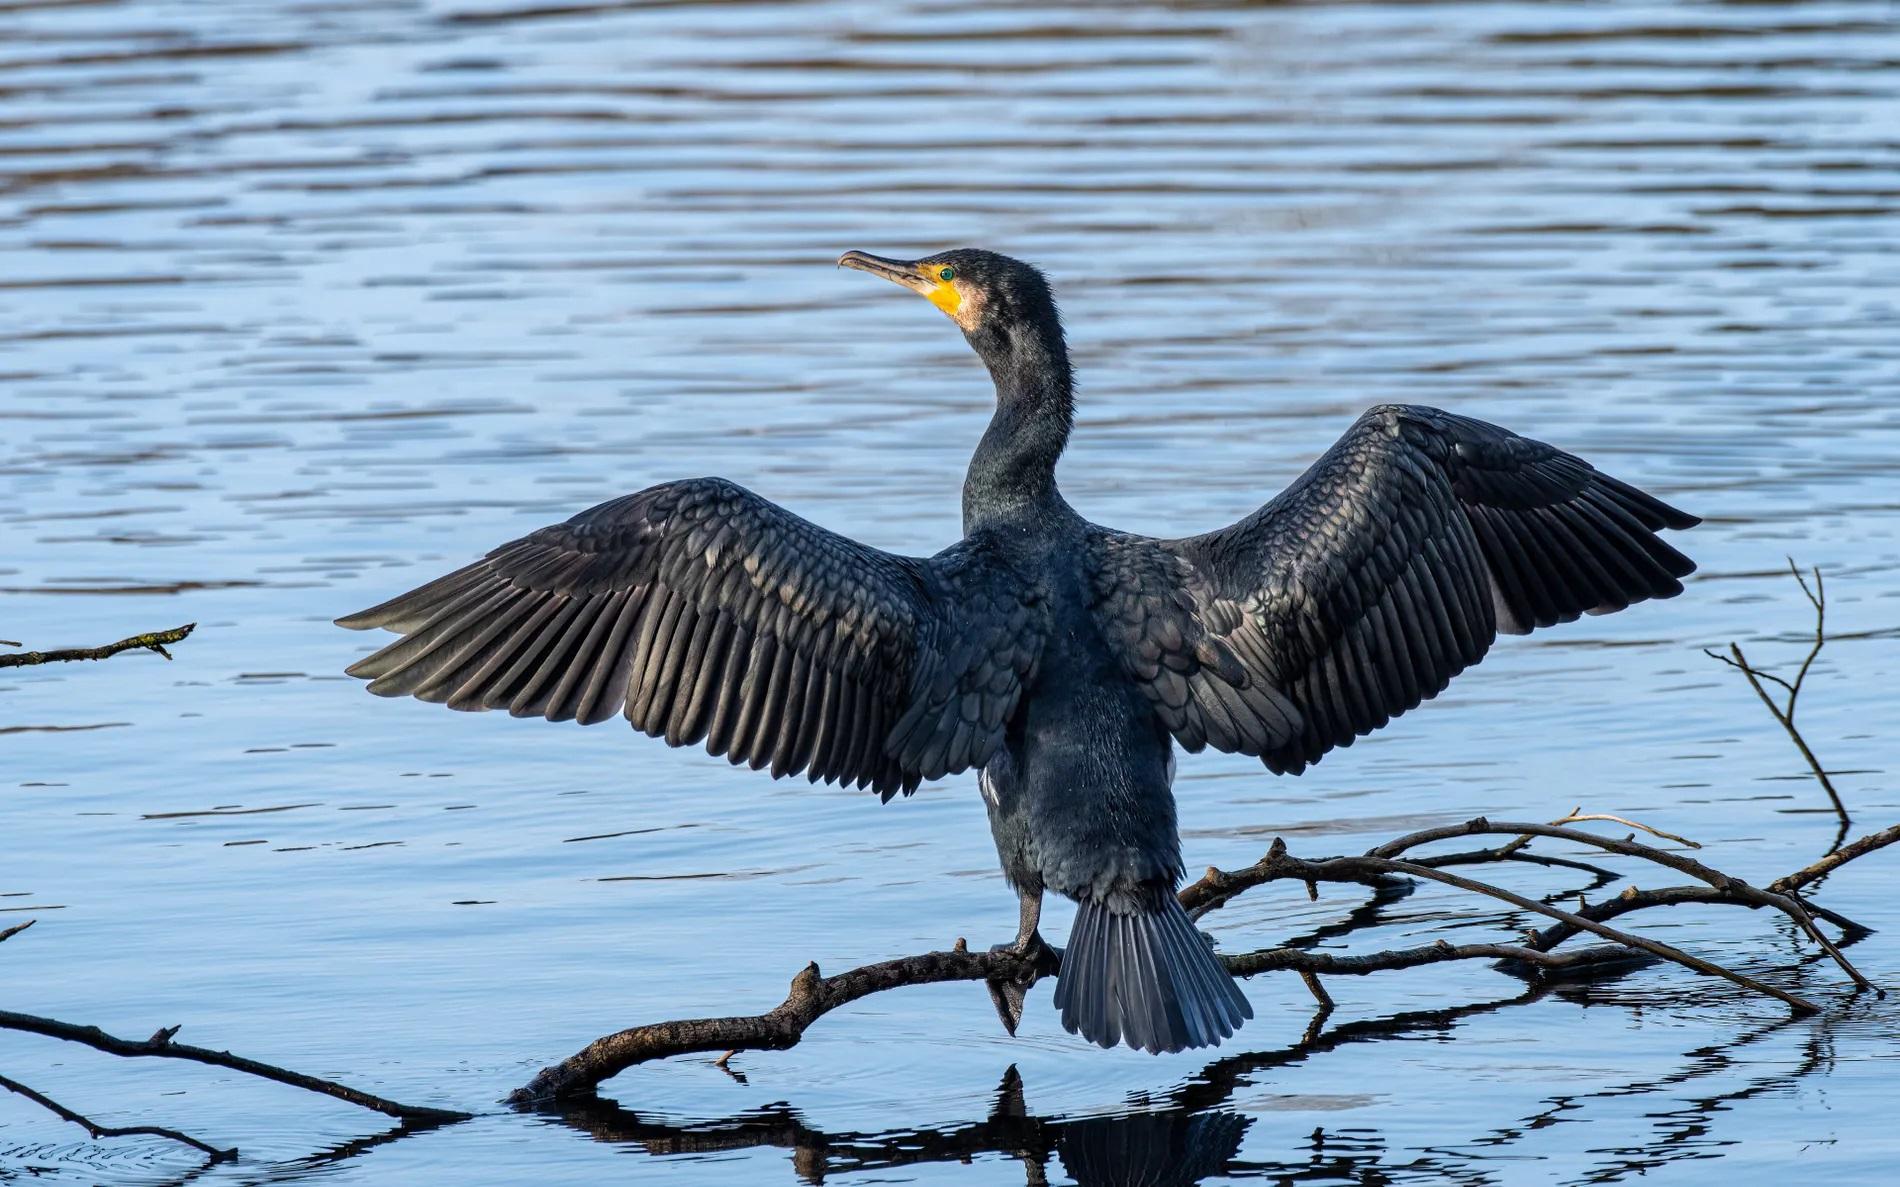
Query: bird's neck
point(1013, 473)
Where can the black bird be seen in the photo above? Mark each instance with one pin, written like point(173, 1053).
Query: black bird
point(1061, 659)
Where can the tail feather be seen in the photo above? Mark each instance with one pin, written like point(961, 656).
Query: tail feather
point(1146, 977)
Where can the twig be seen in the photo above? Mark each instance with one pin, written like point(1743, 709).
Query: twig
point(1578, 816)
point(1817, 597)
point(160, 1045)
point(114, 1131)
point(1512, 851)
point(16, 929)
point(154, 641)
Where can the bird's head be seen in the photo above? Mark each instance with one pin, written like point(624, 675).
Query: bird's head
point(979, 290)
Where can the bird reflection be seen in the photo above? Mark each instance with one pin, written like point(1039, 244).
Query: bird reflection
point(1150, 1149)
point(1167, 1146)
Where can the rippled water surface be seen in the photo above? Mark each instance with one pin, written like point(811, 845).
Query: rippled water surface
point(303, 303)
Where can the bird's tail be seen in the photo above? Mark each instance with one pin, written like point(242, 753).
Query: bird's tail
point(1142, 974)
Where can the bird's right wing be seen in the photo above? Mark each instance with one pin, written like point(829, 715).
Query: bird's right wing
point(699, 610)
point(1381, 573)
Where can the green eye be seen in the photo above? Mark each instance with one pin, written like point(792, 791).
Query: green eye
point(947, 274)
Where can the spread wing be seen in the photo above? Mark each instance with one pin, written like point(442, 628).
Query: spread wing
point(700, 611)
point(1384, 571)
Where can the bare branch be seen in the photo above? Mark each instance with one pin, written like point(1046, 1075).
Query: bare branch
point(16, 929)
point(1725, 887)
point(1294, 867)
point(114, 1131)
point(1634, 899)
point(160, 1045)
point(1785, 717)
point(1309, 963)
point(1858, 847)
point(153, 641)
point(812, 995)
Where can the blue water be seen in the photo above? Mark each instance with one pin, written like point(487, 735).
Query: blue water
point(303, 304)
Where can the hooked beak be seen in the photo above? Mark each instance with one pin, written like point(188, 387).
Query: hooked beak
point(896, 271)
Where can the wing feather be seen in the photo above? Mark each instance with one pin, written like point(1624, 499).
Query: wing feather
point(1364, 588)
point(699, 611)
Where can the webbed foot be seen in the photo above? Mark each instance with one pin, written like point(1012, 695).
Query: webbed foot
point(1008, 996)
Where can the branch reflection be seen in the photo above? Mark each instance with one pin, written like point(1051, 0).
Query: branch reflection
point(1193, 1133)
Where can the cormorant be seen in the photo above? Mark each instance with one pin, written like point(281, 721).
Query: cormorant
point(1061, 659)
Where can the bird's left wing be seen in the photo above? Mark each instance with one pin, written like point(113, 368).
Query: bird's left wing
point(1380, 574)
point(699, 610)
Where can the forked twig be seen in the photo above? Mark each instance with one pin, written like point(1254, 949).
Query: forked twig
point(1784, 713)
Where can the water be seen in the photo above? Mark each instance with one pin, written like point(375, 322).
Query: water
point(305, 303)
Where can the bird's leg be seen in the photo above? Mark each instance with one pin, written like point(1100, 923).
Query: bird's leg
point(1008, 996)
point(1028, 915)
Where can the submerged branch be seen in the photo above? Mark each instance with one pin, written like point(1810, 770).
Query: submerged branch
point(114, 1131)
point(161, 1045)
point(153, 641)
